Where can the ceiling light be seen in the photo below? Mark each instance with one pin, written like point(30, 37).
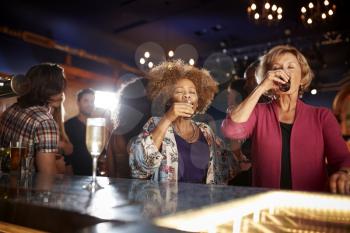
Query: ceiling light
point(256, 16)
point(150, 65)
point(147, 54)
point(191, 62)
point(253, 6)
point(142, 60)
point(171, 53)
point(315, 13)
point(267, 12)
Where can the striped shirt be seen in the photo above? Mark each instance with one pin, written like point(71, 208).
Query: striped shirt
point(33, 126)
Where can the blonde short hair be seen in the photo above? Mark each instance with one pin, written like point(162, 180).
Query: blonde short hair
point(163, 77)
point(267, 60)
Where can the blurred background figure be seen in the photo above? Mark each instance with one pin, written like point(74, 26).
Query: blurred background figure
point(29, 120)
point(65, 147)
point(236, 92)
point(75, 127)
point(341, 109)
point(132, 113)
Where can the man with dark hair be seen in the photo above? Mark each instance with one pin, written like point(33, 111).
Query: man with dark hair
point(75, 127)
point(29, 121)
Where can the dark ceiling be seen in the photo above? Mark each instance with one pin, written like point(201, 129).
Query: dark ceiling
point(118, 28)
point(220, 33)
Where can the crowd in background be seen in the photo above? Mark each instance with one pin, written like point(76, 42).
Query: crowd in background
point(272, 138)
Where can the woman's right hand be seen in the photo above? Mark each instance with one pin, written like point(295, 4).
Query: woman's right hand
point(179, 109)
point(273, 79)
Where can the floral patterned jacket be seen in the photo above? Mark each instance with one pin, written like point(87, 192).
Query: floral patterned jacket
point(146, 161)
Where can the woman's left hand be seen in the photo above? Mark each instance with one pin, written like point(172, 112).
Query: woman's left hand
point(339, 182)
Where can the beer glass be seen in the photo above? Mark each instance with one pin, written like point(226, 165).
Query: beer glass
point(95, 142)
point(18, 154)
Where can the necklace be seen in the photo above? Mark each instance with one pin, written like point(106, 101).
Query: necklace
point(193, 137)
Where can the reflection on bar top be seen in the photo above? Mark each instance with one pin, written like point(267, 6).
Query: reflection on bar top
point(275, 211)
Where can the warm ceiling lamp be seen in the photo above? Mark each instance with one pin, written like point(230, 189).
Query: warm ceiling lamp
point(265, 11)
point(317, 11)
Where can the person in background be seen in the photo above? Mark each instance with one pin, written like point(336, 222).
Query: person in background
point(173, 147)
point(290, 139)
point(29, 120)
point(341, 109)
point(132, 113)
point(238, 90)
point(235, 94)
point(65, 147)
point(75, 127)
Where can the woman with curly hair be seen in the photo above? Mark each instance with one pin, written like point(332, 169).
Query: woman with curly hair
point(173, 147)
point(293, 143)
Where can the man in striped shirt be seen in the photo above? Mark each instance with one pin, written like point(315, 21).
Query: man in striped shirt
point(29, 120)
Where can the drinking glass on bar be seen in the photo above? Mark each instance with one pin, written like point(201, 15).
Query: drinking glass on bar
point(18, 154)
point(95, 142)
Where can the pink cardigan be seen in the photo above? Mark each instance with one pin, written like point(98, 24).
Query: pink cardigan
point(315, 136)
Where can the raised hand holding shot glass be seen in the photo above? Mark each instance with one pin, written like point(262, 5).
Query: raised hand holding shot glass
point(95, 142)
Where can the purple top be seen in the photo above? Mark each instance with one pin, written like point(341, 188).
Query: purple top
point(193, 159)
point(315, 137)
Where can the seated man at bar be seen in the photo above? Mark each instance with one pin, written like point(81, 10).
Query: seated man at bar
point(173, 147)
point(29, 120)
point(75, 128)
point(292, 143)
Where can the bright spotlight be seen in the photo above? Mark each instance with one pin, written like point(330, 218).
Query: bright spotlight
point(171, 53)
point(147, 54)
point(106, 100)
point(314, 91)
point(142, 60)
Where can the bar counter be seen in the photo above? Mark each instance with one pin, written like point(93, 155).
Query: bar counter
point(60, 204)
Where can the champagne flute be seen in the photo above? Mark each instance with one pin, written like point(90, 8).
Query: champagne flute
point(95, 142)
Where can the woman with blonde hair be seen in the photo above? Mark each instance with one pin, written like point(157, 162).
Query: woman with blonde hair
point(291, 141)
point(174, 147)
point(65, 147)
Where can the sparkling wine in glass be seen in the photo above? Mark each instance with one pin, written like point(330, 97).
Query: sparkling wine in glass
point(95, 142)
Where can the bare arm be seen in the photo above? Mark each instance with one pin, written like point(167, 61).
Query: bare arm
point(66, 146)
point(245, 109)
point(159, 132)
point(46, 163)
point(177, 110)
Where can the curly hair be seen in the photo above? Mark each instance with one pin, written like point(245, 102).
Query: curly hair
point(162, 79)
